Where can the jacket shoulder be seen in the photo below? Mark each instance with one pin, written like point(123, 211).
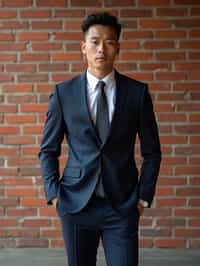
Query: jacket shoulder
point(130, 81)
point(68, 83)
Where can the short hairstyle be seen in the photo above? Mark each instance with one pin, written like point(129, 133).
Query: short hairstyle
point(104, 19)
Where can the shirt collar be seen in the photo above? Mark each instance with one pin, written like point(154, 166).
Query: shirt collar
point(92, 80)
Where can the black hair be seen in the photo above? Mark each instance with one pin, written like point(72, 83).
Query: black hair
point(104, 19)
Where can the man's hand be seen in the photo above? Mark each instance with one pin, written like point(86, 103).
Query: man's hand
point(140, 208)
point(54, 201)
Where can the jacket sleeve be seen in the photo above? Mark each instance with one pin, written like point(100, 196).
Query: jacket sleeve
point(50, 150)
point(150, 149)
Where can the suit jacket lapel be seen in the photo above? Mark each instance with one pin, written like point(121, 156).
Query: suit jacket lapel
point(119, 103)
point(82, 84)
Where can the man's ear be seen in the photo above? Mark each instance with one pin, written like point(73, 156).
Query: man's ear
point(118, 48)
point(83, 47)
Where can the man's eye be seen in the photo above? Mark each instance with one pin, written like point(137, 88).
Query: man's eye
point(94, 41)
point(110, 42)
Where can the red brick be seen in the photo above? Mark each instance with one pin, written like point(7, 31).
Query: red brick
point(170, 76)
point(35, 14)
point(8, 108)
point(86, 3)
point(36, 222)
point(168, 56)
point(136, 56)
point(187, 2)
point(19, 140)
point(145, 243)
point(31, 150)
point(32, 242)
point(73, 13)
point(53, 67)
point(21, 212)
point(54, 243)
point(186, 23)
point(46, 46)
point(34, 57)
point(158, 44)
point(172, 202)
point(195, 243)
point(195, 11)
point(39, 25)
point(52, 3)
point(170, 243)
point(33, 202)
point(9, 130)
point(11, 25)
point(194, 222)
point(174, 139)
point(30, 192)
point(128, 35)
point(51, 233)
point(111, 3)
point(7, 13)
point(179, 181)
point(195, 139)
point(194, 55)
point(11, 181)
point(194, 33)
point(68, 36)
point(176, 117)
point(189, 44)
point(136, 13)
point(20, 119)
point(20, 68)
point(21, 99)
point(187, 212)
point(33, 108)
point(5, 222)
point(22, 233)
point(194, 203)
point(167, 191)
point(154, 2)
point(18, 88)
point(32, 36)
point(170, 34)
point(32, 78)
point(5, 77)
point(155, 23)
point(17, 3)
point(66, 56)
point(170, 222)
point(174, 12)
point(6, 202)
point(8, 57)
point(7, 151)
point(12, 47)
point(187, 232)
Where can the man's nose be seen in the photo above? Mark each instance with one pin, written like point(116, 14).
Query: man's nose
point(101, 47)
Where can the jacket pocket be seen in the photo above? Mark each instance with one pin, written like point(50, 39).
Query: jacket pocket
point(72, 172)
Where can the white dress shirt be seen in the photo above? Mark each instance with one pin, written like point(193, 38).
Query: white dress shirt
point(92, 93)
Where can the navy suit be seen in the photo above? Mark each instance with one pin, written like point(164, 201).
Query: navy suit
point(68, 115)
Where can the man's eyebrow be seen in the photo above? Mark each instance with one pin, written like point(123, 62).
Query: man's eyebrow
point(97, 37)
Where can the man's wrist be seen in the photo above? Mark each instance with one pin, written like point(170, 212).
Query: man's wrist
point(144, 203)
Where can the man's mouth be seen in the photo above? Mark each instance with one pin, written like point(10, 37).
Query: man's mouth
point(100, 58)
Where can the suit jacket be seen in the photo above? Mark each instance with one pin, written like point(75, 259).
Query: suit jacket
point(68, 115)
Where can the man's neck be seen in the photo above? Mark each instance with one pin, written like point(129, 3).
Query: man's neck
point(99, 74)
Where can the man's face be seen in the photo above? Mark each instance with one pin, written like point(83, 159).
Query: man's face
point(100, 48)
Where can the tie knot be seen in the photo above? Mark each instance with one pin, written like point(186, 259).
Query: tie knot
point(100, 85)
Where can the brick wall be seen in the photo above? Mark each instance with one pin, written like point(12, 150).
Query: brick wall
point(39, 46)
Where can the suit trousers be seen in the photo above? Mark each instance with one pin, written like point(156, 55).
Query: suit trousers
point(83, 231)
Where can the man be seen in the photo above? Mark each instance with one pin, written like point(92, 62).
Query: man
point(99, 195)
